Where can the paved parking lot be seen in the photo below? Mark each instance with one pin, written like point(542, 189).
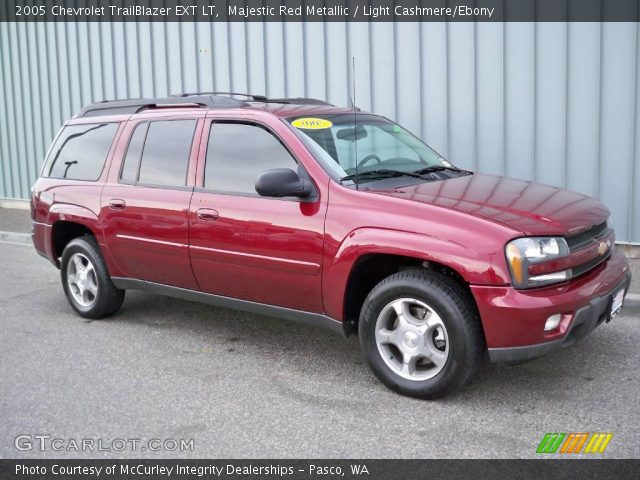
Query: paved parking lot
point(247, 386)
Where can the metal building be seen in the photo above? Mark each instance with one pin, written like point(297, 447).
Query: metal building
point(552, 102)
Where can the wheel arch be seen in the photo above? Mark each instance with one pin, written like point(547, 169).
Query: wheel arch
point(369, 255)
point(69, 222)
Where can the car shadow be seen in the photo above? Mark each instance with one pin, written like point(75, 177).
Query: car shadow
point(339, 365)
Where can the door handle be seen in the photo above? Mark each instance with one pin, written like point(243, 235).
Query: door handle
point(207, 214)
point(117, 204)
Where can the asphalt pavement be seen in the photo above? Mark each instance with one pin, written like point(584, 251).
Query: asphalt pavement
point(246, 386)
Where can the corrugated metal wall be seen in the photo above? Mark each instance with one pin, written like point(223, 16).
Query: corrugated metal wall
point(554, 102)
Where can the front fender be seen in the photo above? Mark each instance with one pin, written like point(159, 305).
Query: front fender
point(475, 266)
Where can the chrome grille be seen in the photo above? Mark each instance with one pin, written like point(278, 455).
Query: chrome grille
point(586, 238)
point(590, 265)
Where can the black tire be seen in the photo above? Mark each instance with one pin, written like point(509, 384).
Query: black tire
point(457, 311)
point(108, 299)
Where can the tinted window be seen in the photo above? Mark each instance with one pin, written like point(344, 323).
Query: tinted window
point(165, 156)
point(80, 151)
point(132, 159)
point(238, 153)
point(342, 142)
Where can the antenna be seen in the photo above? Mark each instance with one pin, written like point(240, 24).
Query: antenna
point(355, 118)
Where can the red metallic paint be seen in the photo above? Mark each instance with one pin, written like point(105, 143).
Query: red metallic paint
point(529, 207)
point(149, 237)
point(513, 317)
point(266, 250)
point(361, 223)
point(301, 254)
point(54, 200)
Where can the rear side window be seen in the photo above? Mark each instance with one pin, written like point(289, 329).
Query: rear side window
point(80, 151)
point(237, 153)
point(158, 153)
point(134, 152)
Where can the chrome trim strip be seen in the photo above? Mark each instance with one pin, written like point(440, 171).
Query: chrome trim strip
point(152, 240)
point(261, 257)
point(315, 319)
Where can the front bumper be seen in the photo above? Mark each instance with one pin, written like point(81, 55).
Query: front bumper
point(513, 320)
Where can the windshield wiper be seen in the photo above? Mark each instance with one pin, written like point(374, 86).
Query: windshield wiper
point(379, 173)
point(440, 168)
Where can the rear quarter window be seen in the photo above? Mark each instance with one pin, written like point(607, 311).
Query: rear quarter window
point(158, 153)
point(80, 151)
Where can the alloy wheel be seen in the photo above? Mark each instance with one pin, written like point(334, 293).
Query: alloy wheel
point(412, 339)
point(82, 280)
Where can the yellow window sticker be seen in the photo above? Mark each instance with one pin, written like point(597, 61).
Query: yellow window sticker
point(312, 123)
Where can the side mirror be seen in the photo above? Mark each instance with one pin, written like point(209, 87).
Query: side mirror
point(282, 182)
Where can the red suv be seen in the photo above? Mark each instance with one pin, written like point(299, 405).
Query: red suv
point(331, 216)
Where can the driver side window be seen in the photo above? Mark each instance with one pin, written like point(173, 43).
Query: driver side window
point(237, 153)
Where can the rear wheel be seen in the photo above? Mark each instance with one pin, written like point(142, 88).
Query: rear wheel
point(86, 281)
point(420, 333)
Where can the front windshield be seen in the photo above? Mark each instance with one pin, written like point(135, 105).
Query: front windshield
point(371, 143)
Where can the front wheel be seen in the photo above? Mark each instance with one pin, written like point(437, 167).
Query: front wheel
point(86, 281)
point(420, 333)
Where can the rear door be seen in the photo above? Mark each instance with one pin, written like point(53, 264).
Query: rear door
point(242, 245)
point(145, 203)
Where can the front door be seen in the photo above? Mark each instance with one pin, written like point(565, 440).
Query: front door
point(266, 250)
point(145, 207)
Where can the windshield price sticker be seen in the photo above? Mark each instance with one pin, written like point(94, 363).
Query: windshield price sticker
point(312, 123)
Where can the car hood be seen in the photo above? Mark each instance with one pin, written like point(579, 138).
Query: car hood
point(530, 207)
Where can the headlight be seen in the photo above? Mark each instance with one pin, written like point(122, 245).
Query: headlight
point(523, 252)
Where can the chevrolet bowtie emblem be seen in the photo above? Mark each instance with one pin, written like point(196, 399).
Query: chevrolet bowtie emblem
point(603, 247)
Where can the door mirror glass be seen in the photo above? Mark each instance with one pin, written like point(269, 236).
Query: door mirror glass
point(282, 182)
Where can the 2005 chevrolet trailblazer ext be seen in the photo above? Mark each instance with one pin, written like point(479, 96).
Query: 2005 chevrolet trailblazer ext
point(302, 210)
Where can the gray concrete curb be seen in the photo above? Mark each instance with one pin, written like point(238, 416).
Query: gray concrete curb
point(13, 238)
point(14, 203)
point(632, 299)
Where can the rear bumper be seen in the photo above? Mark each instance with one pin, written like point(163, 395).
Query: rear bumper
point(41, 237)
point(513, 320)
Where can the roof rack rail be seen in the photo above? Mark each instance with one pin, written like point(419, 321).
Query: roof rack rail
point(261, 98)
point(299, 101)
point(127, 107)
point(256, 98)
point(200, 99)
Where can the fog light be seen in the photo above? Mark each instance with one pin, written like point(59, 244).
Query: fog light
point(552, 322)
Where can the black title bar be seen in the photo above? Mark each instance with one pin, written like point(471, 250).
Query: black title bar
point(327, 469)
point(319, 10)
